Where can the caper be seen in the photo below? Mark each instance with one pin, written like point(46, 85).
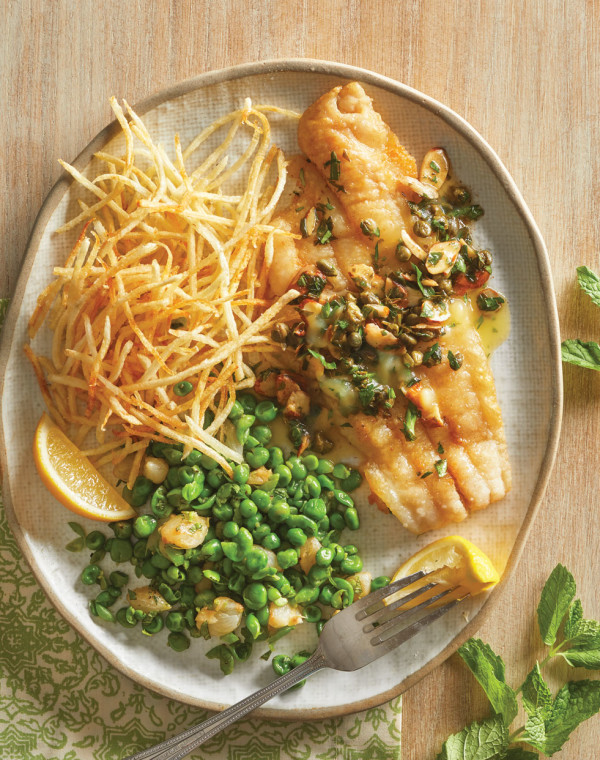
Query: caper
point(436, 209)
point(445, 286)
point(417, 357)
point(403, 252)
point(280, 332)
point(485, 257)
point(460, 195)
point(355, 340)
point(424, 335)
point(421, 228)
point(412, 319)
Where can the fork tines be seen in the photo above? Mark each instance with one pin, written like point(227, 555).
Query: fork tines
point(385, 619)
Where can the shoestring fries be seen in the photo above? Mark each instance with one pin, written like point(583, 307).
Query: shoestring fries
point(160, 309)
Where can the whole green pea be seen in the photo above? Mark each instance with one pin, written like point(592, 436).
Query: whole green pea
point(255, 596)
point(271, 541)
point(287, 558)
point(144, 526)
point(174, 621)
point(324, 556)
point(275, 457)
point(241, 473)
point(340, 471)
point(315, 508)
point(284, 473)
point(258, 457)
point(236, 411)
point(298, 470)
point(279, 512)
point(121, 550)
point(325, 467)
point(380, 582)
point(337, 521)
point(122, 528)
point(352, 564)
point(178, 642)
point(266, 411)
point(248, 402)
point(296, 537)
point(312, 487)
point(262, 615)
point(351, 518)
point(281, 664)
point(311, 462)
point(262, 433)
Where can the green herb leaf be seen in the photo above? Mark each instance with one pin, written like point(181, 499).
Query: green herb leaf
point(581, 353)
point(487, 740)
point(77, 528)
point(432, 356)
point(319, 357)
point(489, 303)
point(575, 702)
point(426, 290)
point(589, 282)
point(76, 545)
point(556, 598)
point(410, 420)
point(441, 467)
point(573, 619)
point(583, 640)
point(455, 360)
point(537, 697)
point(488, 669)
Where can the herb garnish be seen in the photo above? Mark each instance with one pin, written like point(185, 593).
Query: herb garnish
point(369, 228)
point(467, 212)
point(334, 165)
point(550, 719)
point(441, 467)
point(313, 283)
point(433, 355)
point(455, 360)
point(575, 351)
point(489, 303)
point(425, 289)
point(410, 420)
point(319, 356)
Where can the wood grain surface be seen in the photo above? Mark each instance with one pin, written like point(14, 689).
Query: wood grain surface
point(525, 74)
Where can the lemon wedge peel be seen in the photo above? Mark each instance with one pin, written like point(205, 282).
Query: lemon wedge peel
point(72, 479)
point(452, 561)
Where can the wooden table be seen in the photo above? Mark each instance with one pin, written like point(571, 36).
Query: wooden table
point(525, 74)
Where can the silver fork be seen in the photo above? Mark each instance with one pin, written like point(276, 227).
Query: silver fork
point(353, 638)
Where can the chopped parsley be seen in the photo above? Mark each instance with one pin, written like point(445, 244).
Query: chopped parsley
point(433, 355)
point(455, 360)
point(410, 420)
point(441, 467)
point(334, 165)
point(319, 356)
point(489, 303)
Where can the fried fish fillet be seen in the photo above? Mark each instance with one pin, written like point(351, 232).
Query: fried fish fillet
point(467, 430)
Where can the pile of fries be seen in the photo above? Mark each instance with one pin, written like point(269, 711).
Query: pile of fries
point(165, 285)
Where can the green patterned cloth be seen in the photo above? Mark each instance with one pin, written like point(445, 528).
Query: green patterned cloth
point(60, 700)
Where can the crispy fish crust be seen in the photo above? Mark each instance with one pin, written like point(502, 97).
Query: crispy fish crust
point(401, 473)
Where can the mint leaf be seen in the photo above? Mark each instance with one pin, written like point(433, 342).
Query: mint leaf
point(425, 289)
point(574, 618)
point(575, 702)
point(518, 753)
point(555, 601)
point(77, 528)
point(589, 282)
point(582, 639)
point(535, 731)
point(488, 669)
point(487, 740)
point(580, 353)
point(537, 697)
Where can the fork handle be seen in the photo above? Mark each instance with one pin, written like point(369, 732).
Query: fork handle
point(177, 747)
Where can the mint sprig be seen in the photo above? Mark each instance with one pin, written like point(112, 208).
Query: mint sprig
point(550, 719)
point(574, 351)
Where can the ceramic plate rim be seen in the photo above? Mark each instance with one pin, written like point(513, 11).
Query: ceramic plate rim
point(306, 66)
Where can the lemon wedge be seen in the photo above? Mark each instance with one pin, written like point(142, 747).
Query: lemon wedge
point(72, 479)
point(451, 561)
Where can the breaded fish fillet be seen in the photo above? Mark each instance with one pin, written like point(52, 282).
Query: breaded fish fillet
point(466, 432)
